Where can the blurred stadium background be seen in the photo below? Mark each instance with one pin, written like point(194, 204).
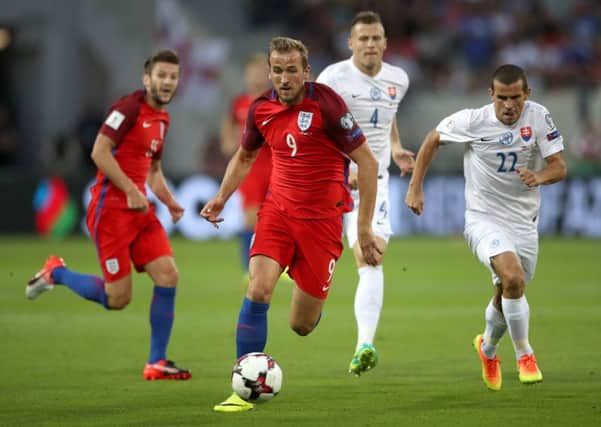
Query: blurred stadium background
point(63, 62)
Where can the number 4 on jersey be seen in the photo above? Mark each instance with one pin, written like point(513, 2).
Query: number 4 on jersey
point(374, 118)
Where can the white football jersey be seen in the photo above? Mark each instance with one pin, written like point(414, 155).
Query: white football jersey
point(493, 151)
point(373, 101)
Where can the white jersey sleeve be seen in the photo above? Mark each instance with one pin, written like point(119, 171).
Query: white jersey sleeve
point(455, 128)
point(551, 141)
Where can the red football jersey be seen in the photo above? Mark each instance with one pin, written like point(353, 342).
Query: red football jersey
point(257, 179)
point(309, 144)
point(138, 130)
point(239, 109)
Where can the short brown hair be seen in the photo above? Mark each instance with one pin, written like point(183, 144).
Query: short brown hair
point(366, 17)
point(509, 74)
point(287, 44)
point(163, 55)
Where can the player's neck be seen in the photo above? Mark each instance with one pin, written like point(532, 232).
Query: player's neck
point(153, 104)
point(370, 71)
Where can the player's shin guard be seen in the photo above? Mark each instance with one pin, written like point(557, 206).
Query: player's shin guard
point(86, 286)
point(161, 322)
point(251, 331)
point(369, 298)
point(517, 316)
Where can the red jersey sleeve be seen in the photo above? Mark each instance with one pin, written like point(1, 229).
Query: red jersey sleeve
point(339, 123)
point(122, 116)
point(251, 137)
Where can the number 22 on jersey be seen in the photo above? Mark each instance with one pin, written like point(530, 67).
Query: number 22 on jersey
point(508, 161)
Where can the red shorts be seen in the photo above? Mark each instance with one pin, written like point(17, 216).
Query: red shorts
point(309, 247)
point(123, 236)
point(255, 185)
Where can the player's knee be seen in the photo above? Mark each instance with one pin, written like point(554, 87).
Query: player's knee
point(118, 303)
point(169, 276)
point(302, 329)
point(514, 284)
point(258, 293)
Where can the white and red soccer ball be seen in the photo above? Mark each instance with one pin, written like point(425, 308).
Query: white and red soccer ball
point(256, 377)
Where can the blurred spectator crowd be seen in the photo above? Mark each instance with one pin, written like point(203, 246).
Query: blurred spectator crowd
point(455, 44)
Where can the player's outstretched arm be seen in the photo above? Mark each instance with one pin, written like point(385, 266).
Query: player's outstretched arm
point(415, 193)
point(158, 185)
point(367, 182)
point(237, 169)
point(403, 158)
point(102, 155)
point(553, 172)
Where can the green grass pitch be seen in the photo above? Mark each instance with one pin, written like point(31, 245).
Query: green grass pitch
point(67, 362)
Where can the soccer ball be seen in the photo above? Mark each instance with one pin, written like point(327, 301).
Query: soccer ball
point(256, 377)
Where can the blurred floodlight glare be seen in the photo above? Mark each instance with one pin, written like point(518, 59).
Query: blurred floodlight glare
point(5, 38)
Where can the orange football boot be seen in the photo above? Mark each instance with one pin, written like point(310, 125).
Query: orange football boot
point(42, 281)
point(491, 368)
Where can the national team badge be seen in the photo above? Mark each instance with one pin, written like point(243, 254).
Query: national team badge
point(375, 93)
point(392, 92)
point(526, 133)
point(304, 120)
point(112, 265)
point(506, 138)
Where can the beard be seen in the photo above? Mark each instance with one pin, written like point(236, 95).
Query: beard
point(156, 96)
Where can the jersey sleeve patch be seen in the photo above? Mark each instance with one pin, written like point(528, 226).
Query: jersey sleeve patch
point(553, 135)
point(347, 121)
point(115, 119)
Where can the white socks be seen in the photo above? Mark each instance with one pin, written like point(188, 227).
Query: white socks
point(494, 330)
point(517, 316)
point(368, 302)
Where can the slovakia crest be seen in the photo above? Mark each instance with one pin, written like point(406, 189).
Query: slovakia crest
point(304, 120)
point(526, 133)
point(506, 138)
point(392, 92)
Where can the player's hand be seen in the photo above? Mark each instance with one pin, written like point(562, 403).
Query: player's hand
point(176, 211)
point(414, 199)
point(353, 182)
point(405, 160)
point(136, 200)
point(211, 211)
point(528, 177)
point(372, 253)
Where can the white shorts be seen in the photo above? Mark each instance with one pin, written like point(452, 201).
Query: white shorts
point(381, 219)
point(487, 239)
